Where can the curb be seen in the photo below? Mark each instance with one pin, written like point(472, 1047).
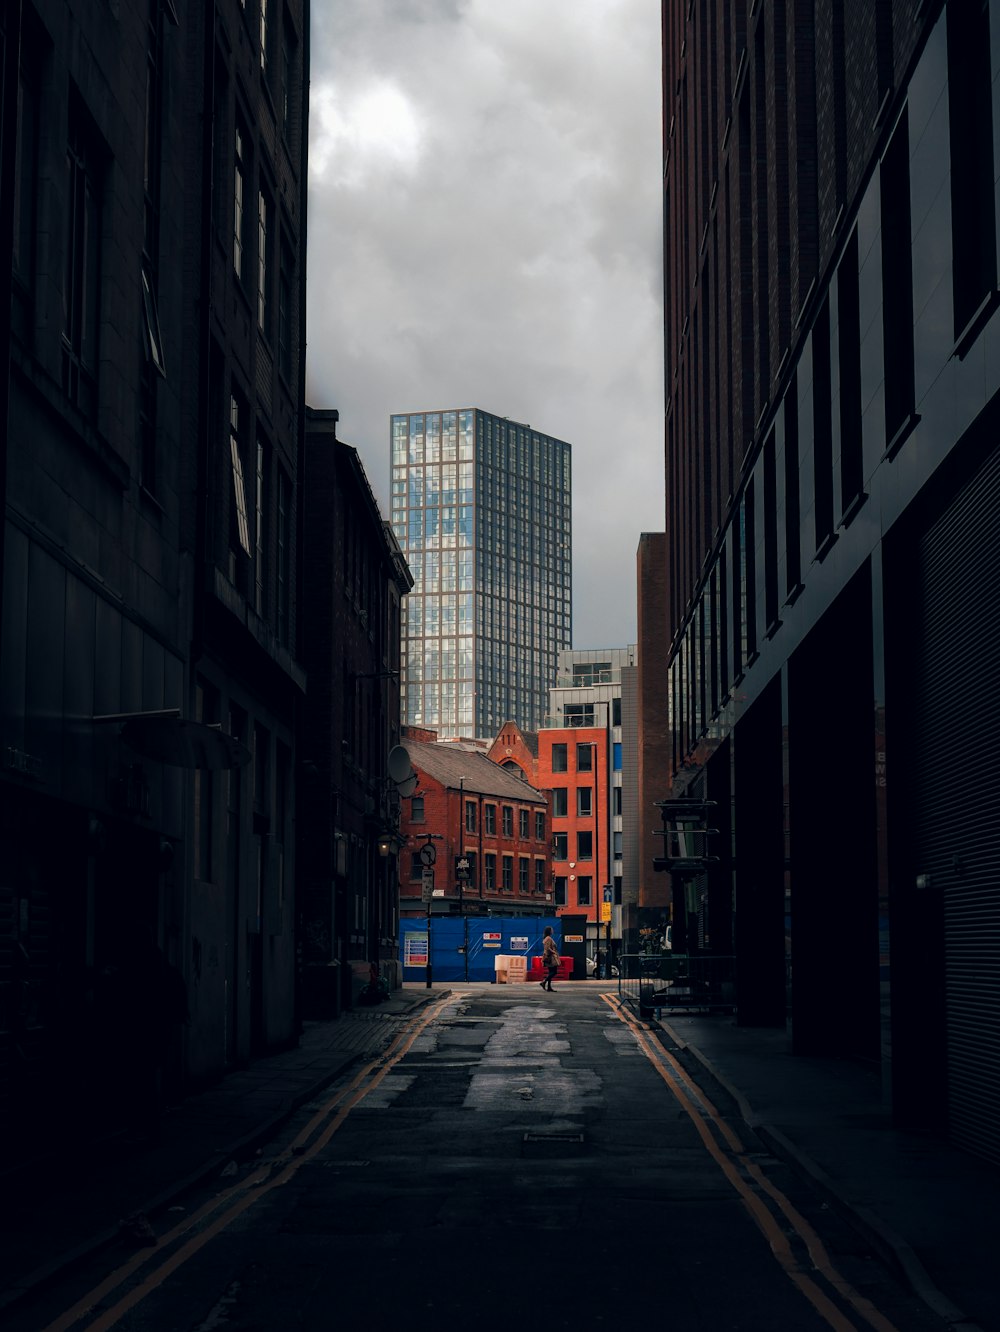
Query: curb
point(891, 1248)
point(260, 1133)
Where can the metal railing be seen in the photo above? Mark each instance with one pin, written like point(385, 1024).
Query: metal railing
point(693, 982)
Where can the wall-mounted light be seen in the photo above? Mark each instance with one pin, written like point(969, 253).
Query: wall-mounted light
point(389, 843)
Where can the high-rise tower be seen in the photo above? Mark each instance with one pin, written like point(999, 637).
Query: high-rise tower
point(481, 509)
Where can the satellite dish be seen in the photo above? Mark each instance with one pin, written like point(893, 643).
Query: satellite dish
point(409, 786)
point(398, 764)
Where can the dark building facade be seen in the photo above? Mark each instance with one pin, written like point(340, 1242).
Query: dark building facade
point(832, 485)
point(150, 688)
point(353, 589)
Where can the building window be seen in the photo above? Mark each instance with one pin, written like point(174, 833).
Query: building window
point(416, 867)
point(584, 758)
point(470, 816)
point(260, 520)
point(490, 871)
point(241, 175)
point(616, 800)
point(285, 307)
point(585, 801)
point(559, 802)
point(539, 826)
point(560, 890)
point(583, 890)
point(81, 270)
point(849, 349)
point(822, 431)
point(490, 820)
point(616, 756)
point(507, 814)
point(589, 673)
point(973, 214)
point(749, 549)
point(241, 527)
point(508, 874)
point(578, 714)
point(263, 263)
point(523, 874)
point(264, 38)
point(560, 846)
point(522, 823)
point(417, 812)
point(793, 550)
point(281, 571)
point(25, 189)
point(770, 476)
point(585, 846)
point(897, 286)
point(559, 758)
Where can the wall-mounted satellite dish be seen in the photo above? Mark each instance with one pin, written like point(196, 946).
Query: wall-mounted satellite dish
point(398, 764)
point(409, 786)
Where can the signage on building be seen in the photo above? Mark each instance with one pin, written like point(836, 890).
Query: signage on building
point(492, 940)
point(519, 943)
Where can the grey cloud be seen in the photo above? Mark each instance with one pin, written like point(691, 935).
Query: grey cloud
point(513, 262)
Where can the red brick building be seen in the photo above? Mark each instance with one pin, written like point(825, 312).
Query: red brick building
point(571, 765)
point(489, 829)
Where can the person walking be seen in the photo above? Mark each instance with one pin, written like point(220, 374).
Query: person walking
point(550, 958)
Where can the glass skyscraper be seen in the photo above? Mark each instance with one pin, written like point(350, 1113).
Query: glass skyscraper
point(481, 507)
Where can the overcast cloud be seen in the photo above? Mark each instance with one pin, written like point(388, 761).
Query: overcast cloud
point(485, 231)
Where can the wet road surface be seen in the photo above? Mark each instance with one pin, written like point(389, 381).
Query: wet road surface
point(514, 1158)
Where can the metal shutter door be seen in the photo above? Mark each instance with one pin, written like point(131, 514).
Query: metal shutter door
point(957, 789)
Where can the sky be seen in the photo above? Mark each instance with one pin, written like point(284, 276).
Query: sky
point(485, 230)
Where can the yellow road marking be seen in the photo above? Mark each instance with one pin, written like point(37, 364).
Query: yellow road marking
point(239, 1197)
point(691, 1098)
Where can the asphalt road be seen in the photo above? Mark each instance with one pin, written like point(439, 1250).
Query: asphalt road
point(513, 1159)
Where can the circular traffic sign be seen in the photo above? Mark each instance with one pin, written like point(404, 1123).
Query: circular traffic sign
point(428, 854)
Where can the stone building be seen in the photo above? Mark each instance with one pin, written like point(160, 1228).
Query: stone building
point(150, 677)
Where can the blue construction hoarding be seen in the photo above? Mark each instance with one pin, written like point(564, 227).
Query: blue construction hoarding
point(464, 947)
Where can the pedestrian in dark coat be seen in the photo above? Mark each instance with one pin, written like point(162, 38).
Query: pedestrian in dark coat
point(550, 957)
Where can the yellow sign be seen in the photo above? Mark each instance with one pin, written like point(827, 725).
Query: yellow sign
point(605, 911)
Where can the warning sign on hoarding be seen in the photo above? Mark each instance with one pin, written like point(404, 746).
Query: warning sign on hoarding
point(415, 949)
point(492, 939)
point(519, 943)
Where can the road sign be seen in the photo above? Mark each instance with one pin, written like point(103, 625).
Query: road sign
point(427, 884)
point(607, 892)
point(428, 854)
point(605, 911)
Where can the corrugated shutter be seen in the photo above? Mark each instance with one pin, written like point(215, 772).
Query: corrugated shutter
point(957, 789)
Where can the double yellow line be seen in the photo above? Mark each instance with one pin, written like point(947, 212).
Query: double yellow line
point(220, 1211)
point(736, 1168)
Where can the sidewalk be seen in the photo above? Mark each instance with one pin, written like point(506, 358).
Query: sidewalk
point(931, 1210)
point(56, 1214)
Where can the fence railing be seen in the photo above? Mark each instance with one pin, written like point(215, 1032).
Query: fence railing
point(677, 981)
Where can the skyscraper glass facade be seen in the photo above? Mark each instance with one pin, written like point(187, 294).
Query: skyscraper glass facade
point(481, 507)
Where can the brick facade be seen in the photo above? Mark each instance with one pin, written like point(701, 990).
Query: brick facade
point(471, 809)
